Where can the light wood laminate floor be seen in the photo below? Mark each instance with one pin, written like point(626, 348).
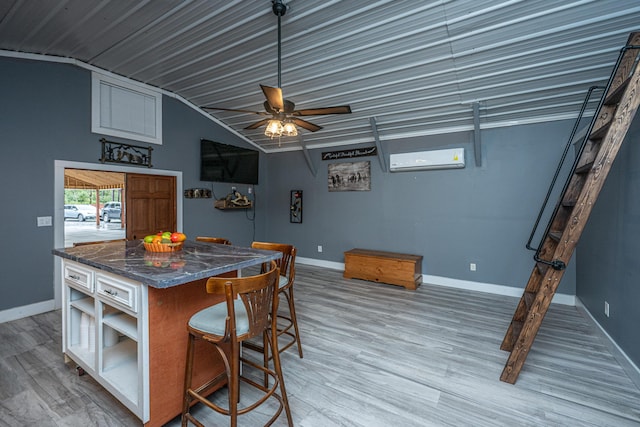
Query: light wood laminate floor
point(374, 355)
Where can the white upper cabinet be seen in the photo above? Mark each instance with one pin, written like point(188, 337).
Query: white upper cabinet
point(126, 109)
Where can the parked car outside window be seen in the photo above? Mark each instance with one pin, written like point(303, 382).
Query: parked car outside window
point(111, 210)
point(79, 212)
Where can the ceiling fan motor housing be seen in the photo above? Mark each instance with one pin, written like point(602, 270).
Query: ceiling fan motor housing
point(279, 8)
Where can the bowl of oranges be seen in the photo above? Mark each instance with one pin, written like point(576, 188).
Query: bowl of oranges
point(164, 242)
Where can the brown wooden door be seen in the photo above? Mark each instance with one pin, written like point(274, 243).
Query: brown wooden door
point(150, 205)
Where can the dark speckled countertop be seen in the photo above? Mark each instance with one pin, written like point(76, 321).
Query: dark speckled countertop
point(195, 261)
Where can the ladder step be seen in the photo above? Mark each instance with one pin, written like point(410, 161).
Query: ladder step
point(514, 332)
point(555, 235)
point(517, 328)
point(614, 95)
point(562, 218)
point(624, 71)
point(584, 168)
point(571, 195)
point(603, 123)
point(529, 297)
point(589, 152)
point(542, 268)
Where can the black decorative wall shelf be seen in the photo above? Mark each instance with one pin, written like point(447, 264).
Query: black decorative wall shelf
point(118, 152)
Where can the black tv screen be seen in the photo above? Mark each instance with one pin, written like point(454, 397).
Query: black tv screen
point(227, 163)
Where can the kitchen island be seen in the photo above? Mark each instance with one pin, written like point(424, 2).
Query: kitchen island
point(125, 312)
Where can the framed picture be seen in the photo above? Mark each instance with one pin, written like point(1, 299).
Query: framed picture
point(295, 207)
point(354, 176)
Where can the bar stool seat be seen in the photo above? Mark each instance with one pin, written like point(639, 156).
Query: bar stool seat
point(249, 310)
point(212, 320)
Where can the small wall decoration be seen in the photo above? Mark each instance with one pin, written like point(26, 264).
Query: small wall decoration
point(295, 207)
point(197, 193)
point(118, 152)
point(349, 176)
point(347, 154)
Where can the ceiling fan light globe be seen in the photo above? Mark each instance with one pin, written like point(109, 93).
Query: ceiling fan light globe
point(274, 129)
point(289, 129)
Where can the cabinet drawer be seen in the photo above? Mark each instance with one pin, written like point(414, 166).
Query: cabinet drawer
point(78, 276)
point(114, 290)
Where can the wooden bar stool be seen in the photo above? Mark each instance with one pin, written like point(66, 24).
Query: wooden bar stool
point(219, 240)
point(287, 265)
point(249, 311)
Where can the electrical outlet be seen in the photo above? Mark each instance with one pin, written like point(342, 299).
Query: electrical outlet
point(249, 190)
point(44, 221)
point(606, 309)
point(319, 248)
point(472, 266)
point(233, 190)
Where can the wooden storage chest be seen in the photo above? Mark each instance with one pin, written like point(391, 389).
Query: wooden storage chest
point(385, 267)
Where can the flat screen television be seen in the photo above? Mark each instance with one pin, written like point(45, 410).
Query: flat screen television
point(228, 163)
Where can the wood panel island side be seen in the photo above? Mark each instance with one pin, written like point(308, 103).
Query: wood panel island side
point(125, 311)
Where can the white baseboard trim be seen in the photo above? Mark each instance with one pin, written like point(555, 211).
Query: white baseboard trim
point(511, 291)
point(26, 311)
point(451, 283)
point(632, 370)
point(320, 263)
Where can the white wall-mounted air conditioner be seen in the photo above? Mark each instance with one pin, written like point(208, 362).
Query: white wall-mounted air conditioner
point(424, 160)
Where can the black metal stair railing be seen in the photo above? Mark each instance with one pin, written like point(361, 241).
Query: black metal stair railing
point(558, 264)
point(554, 180)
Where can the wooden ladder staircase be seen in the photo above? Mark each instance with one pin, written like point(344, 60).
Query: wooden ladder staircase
point(606, 132)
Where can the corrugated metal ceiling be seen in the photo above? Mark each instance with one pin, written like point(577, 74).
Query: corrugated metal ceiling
point(416, 66)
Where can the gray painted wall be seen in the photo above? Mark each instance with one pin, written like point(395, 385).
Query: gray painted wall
point(45, 115)
point(607, 267)
point(451, 217)
point(183, 129)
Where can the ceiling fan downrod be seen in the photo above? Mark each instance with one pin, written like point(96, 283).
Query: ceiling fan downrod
point(279, 9)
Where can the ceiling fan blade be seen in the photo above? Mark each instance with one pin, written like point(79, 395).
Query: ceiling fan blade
point(306, 125)
point(262, 113)
point(344, 109)
point(274, 96)
point(256, 125)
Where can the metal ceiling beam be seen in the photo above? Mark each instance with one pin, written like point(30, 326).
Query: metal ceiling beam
point(307, 157)
point(477, 148)
point(374, 129)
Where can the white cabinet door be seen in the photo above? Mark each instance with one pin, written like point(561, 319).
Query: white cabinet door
point(78, 316)
point(106, 332)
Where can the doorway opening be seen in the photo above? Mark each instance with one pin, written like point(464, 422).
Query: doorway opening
point(93, 206)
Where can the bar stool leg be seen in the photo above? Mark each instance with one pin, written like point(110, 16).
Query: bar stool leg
point(278, 368)
point(187, 380)
point(234, 384)
point(294, 319)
